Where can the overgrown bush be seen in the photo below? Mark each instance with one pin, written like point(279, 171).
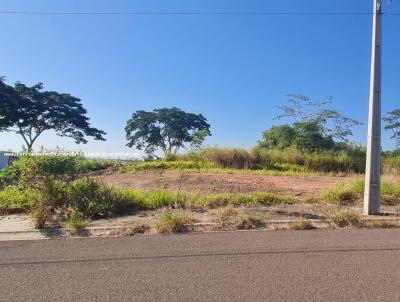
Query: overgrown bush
point(93, 199)
point(228, 158)
point(324, 161)
point(13, 198)
point(34, 168)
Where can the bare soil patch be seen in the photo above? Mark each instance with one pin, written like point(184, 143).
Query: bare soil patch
point(222, 183)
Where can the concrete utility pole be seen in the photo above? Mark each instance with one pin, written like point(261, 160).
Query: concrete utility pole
point(373, 169)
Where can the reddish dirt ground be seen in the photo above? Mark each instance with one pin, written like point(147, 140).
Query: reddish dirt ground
point(218, 183)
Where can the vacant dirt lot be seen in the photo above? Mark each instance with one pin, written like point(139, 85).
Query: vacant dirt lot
point(218, 183)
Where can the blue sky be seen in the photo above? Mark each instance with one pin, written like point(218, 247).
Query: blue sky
point(233, 69)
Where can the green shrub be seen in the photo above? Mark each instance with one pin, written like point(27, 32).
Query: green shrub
point(93, 199)
point(16, 197)
point(34, 168)
point(44, 166)
point(76, 222)
point(90, 165)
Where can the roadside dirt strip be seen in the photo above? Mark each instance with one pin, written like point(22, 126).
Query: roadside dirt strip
point(223, 183)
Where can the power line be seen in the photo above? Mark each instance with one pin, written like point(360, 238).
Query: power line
point(189, 12)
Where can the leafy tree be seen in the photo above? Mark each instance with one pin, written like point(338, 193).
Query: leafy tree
point(392, 120)
point(29, 111)
point(278, 137)
point(168, 129)
point(310, 136)
point(307, 136)
point(302, 108)
point(198, 140)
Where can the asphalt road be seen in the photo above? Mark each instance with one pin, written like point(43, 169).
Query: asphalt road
point(320, 265)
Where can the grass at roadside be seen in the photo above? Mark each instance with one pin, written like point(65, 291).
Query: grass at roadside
point(303, 224)
point(343, 218)
point(175, 221)
point(207, 167)
point(91, 199)
point(354, 192)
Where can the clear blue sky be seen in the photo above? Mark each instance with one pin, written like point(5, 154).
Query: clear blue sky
point(233, 69)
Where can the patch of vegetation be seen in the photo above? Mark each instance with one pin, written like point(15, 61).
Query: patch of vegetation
point(391, 163)
point(39, 215)
point(259, 161)
point(224, 199)
point(135, 229)
point(76, 223)
point(63, 167)
point(251, 221)
point(228, 158)
point(175, 221)
point(350, 193)
point(303, 224)
point(226, 217)
point(381, 224)
point(15, 198)
point(341, 194)
point(165, 165)
point(390, 193)
point(343, 218)
point(92, 199)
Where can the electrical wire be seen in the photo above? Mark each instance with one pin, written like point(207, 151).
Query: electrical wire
point(189, 12)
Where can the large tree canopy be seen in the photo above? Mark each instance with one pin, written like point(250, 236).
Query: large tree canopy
point(301, 108)
point(307, 136)
point(392, 120)
point(168, 129)
point(29, 111)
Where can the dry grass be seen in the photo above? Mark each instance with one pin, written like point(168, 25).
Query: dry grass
point(175, 221)
point(343, 218)
point(381, 224)
point(39, 215)
point(226, 217)
point(251, 221)
point(135, 229)
point(303, 224)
